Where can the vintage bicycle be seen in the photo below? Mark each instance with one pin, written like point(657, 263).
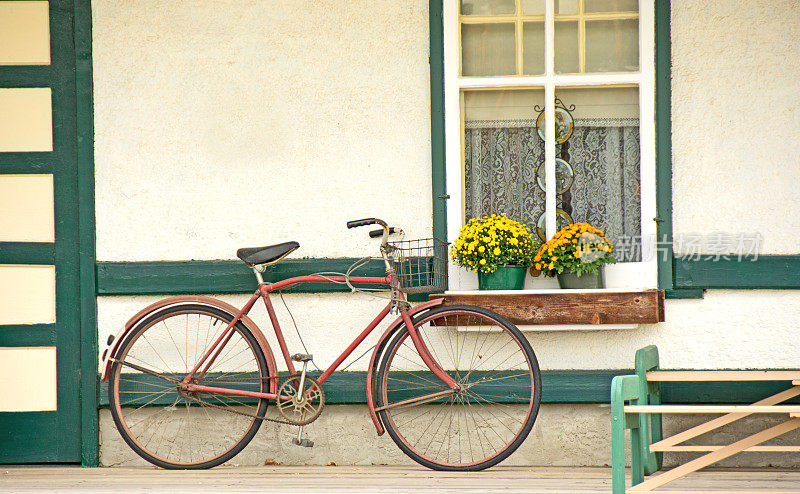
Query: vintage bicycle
point(457, 387)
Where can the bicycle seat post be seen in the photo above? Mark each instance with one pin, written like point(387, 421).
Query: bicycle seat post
point(258, 269)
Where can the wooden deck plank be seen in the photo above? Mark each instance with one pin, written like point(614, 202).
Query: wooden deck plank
point(374, 478)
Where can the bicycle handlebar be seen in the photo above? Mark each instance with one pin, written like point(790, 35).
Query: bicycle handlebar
point(365, 222)
point(378, 233)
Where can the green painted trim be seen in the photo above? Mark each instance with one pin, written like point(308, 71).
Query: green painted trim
point(438, 169)
point(663, 61)
point(766, 272)
point(20, 163)
point(27, 76)
point(569, 387)
point(585, 386)
point(684, 293)
point(190, 277)
point(29, 335)
point(27, 253)
point(90, 451)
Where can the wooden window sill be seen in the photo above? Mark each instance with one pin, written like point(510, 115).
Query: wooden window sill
point(568, 307)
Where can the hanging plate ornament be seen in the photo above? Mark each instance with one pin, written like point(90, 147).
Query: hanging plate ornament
point(564, 125)
point(563, 220)
point(564, 176)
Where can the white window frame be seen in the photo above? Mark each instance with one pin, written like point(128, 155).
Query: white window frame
point(628, 275)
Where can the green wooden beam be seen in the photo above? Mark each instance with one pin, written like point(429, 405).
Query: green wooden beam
point(27, 253)
point(90, 451)
point(767, 272)
point(190, 277)
point(663, 61)
point(684, 293)
point(438, 175)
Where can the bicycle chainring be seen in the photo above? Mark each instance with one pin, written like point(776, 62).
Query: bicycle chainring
point(306, 408)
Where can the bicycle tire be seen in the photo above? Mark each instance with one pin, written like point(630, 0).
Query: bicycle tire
point(499, 401)
point(169, 429)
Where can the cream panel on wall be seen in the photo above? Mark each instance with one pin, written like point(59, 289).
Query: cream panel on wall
point(28, 379)
point(736, 118)
point(249, 123)
point(24, 33)
point(26, 208)
point(27, 120)
point(27, 294)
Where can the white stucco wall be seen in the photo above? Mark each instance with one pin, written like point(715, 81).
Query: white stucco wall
point(736, 118)
point(223, 124)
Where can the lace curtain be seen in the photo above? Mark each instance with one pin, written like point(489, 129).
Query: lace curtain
point(501, 158)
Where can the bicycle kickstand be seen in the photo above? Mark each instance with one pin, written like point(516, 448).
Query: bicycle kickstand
point(299, 441)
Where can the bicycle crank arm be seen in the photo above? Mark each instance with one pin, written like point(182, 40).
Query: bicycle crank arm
point(418, 400)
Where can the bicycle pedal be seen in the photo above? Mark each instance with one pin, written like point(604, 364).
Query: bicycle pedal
point(302, 357)
point(306, 443)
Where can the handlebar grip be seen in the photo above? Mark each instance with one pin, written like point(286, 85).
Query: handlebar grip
point(364, 222)
point(378, 233)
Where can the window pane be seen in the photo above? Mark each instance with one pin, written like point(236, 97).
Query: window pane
point(602, 152)
point(533, 48)
point(487, 7)
point(502, 150)
point(611, 5)
point(536, 7)
point(612, 46)
point(533, 7)
point(487, 49)
point(566, 6)
point(566, 47)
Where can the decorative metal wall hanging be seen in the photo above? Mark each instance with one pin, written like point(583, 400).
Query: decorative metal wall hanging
point(565, 174)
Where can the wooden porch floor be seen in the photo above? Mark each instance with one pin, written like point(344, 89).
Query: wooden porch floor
point(381, 479)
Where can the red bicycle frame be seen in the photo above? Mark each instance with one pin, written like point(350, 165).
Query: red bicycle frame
point(263, 292)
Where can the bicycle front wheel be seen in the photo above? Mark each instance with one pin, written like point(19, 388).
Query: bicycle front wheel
point(499, 389)
point(165, 424)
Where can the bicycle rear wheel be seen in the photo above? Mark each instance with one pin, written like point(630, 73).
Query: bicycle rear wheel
point(495, 408)
point(170, 427)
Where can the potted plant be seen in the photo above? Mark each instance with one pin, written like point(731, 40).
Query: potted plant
point(499, 249)
point(575, 255)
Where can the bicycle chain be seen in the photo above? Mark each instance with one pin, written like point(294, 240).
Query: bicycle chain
point(253, 415)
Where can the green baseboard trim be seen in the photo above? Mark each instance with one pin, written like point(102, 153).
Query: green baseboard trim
point(765, 272)
point(570, 387)
point(684, 293)
point(567, 387)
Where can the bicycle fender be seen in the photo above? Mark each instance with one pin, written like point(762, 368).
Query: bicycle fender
point(113, 345)
point(379, 347)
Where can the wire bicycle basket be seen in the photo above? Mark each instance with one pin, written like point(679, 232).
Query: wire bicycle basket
point(420, 265)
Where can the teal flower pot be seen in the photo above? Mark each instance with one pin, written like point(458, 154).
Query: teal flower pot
point(586, 280)
point(504, 278)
